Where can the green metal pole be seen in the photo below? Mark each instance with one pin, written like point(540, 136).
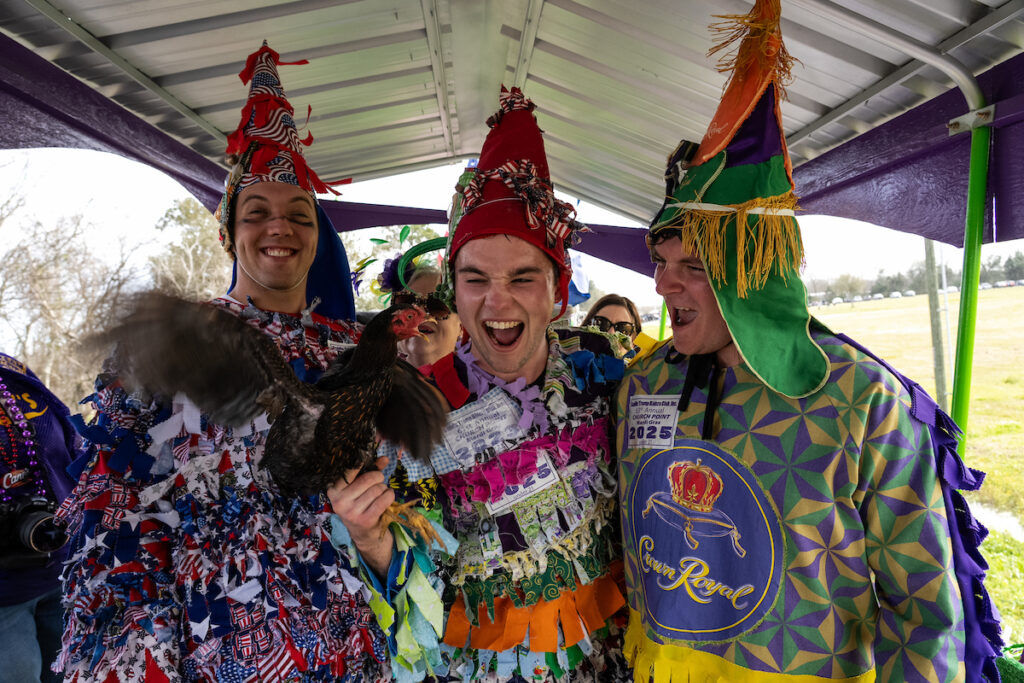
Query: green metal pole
point(664, 319)
point(977, 183)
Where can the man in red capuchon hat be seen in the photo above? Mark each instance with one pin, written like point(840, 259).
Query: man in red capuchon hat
point(524, 480)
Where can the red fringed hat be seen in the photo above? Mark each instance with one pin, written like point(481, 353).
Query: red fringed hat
point(511, 192)
point(266, 146)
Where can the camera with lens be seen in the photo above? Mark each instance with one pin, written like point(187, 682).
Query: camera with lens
point(28, 532)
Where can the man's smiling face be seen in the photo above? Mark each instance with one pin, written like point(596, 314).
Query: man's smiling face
point(275, 237)
point(505, 293)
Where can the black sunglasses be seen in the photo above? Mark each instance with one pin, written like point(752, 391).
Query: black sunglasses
point(604, 324)
point(431, 303)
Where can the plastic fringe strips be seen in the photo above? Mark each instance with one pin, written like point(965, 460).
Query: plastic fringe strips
point(667, 663)
point(775, 240)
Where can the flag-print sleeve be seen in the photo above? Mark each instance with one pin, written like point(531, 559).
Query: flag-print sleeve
point(919, 634)
point(120, 597)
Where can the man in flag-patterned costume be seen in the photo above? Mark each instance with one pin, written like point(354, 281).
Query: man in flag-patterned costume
point(188, 562)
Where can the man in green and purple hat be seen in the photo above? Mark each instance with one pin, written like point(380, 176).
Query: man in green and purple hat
point(788, 500)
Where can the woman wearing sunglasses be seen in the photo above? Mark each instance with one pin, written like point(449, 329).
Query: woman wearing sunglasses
point(614, 312)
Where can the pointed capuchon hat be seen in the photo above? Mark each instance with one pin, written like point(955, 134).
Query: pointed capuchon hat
point(731, 201)
point(510, 192)
point(266, 147)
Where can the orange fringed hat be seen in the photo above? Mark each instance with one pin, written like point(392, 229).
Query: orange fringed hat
point(730, 200)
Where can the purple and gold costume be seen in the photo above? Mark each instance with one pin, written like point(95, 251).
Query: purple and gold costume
point(811, 538)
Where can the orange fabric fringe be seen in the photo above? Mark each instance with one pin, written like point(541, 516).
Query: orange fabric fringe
point(588, 606)
point(761, 59)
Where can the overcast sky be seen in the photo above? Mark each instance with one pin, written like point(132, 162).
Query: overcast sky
point(123, 198)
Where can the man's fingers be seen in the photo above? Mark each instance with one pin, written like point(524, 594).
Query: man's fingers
point(357, 500)
point(361, 502)
point(357, 485)
point(380, 504)
point(364, 504)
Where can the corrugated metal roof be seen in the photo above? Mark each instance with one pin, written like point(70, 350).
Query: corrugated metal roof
point(403, 84)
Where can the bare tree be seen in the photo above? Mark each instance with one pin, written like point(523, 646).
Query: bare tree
point(848, 286)
point(8, 207)
point(54, 293)
point(196, 266)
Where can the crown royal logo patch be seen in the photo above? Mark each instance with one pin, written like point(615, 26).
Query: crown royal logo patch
point(705, 544)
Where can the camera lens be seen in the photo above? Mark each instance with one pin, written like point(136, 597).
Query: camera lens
point(37, 531)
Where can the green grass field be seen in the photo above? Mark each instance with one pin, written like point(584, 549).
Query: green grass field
point(899, 331)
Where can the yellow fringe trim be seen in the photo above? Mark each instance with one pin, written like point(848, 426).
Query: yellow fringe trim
point(761, 43)
point(776, 240)
point(659, 663)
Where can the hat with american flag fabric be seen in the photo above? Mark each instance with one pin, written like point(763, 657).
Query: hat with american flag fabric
point(266, 146)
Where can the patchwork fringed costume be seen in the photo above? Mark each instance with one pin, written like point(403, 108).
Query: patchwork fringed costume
point(795, 517)
point(525, 482)
point(187, 562)
point(523, 486)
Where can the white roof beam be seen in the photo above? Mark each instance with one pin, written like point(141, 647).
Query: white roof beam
point(1007, 12)
point(437, 66)
point(527, 40)
point(479, 49)
point(97, 46)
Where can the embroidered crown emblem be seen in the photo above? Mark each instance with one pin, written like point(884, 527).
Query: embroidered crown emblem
point(694, 486)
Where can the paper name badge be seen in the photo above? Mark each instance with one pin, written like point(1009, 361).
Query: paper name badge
point(651, 421)
point(545, 476)
point(485, 423)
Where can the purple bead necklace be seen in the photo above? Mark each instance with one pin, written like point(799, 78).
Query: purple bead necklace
point(13, 420)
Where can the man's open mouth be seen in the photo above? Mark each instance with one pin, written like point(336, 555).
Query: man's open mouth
point(683, 316)
point(503, 332)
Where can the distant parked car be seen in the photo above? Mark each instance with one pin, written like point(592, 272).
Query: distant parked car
point(876, 297)
point(1020, 282)
point(985, 285)
point(837, 300)
point(910, 292)
point(858, 298)
point(953, 289)
point(895, 295)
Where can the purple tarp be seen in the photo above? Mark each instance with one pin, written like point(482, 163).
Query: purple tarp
point(907, 174)
point(910, 175)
